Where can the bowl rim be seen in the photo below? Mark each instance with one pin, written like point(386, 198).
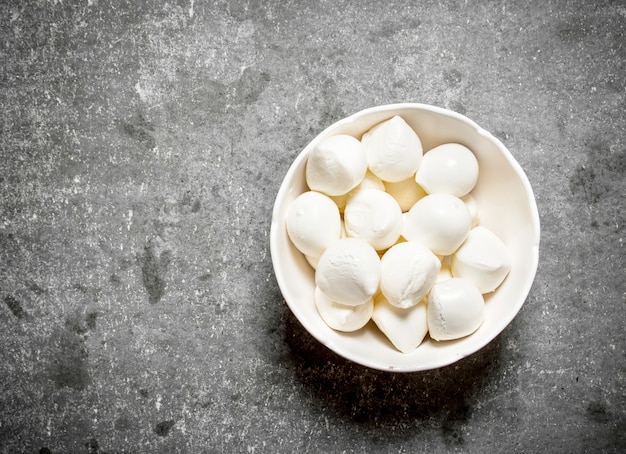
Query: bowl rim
point(284, 191)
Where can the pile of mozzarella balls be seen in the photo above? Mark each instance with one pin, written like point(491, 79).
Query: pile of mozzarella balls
point(394, 236)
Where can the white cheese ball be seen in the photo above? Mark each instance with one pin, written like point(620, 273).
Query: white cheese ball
point(451, 168)
point(373, 216)
point(312, 261)
point(472, 206)
point(406, 192)
point(313, 222)
point(483, 259)
point(343, 317)
point(407, 272)
point(393, 149)
point(445, 272)
point(440, 222)
point(455, 309)
point(336, 165)
point(405, 328)
point(370, 181)
point(348, 271)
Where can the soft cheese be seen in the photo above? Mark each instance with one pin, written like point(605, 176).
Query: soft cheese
point(440, 222)
point(313, 222)
point(373, 216)
point(343, 317)
point(336, 165)
point(405, 328)
point(348, 271)
point(394, 151)
point(407, 272)
point(455, 309)
point(451, 168)
point(406, 192)
point(483, 259)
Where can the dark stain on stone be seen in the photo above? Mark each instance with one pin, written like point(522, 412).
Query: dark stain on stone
point(249, 87)
point(144, 393)
point(453, 425)
point(80, 287)
point(125, 263)
point(205, 277)
point(163, 428)
point(75, 325)
point(331, 113)
point(602, 170)
point(217, 192)
point(575, 29)
point(596, 412)
point(90, 320)
point(92, 446)
point(70, 368)
point(122, 423)
point(452, 78)
point(332, 109)
point(617, 432)
point(218, 98)
point(14, 306)
point(588, 180)
point(215, 94)
point(616, 81)
point(388, 29)
point(141, 130)
point(153, 269)
point(45, 450)
point(190, 204)
point(35, 288)
point(80, 325)
point(8, 240)
point(248, 11)
point(186, 199)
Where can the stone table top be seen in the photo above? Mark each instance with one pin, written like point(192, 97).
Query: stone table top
point(142, 147)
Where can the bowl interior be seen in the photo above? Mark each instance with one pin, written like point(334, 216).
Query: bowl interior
point(507, 207)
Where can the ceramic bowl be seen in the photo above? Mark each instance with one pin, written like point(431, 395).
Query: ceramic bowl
point(507, 207)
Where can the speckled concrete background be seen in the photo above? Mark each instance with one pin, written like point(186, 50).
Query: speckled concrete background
point(142, 145)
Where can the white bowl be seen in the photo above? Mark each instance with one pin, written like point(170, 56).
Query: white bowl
point(507, 207)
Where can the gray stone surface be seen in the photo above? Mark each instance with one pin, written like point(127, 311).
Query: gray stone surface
point(142, 145)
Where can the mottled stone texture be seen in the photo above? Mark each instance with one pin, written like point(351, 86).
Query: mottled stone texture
point(142, 145)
